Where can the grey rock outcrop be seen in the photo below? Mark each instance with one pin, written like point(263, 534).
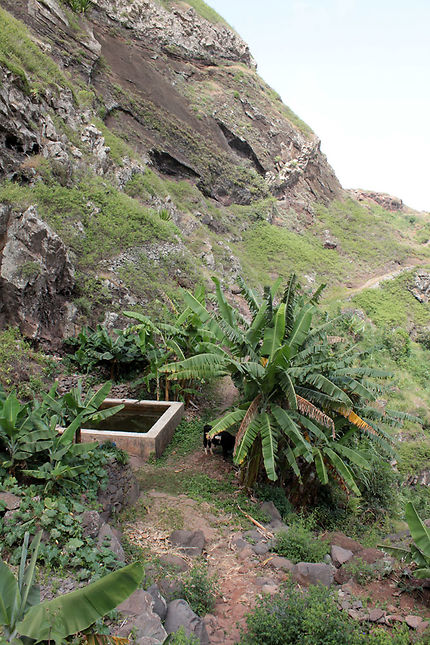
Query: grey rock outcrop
point(179, 613)
point(121, 490)
point(339, 555)
point(183, 29)
point(159, 603)
point(421, 288)
point(36, 275)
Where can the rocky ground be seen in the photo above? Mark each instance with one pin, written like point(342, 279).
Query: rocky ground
point(238, 553)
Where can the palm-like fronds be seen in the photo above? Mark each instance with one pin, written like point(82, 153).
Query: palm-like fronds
point(250, 414)
point(309, 410)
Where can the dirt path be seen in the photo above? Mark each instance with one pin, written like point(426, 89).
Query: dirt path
point(373, 283)
point(238, 573)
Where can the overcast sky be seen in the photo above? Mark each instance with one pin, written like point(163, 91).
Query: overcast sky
point(357, 71)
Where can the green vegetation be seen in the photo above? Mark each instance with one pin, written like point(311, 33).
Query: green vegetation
point(79, 6)
point(200, 590)
point(305, 401)
point(298, 544)
point(265, 246)
point(17, 357)
point(111, 221)
point(23, 57)
point(293, 617)
point(393, 306)
point(24, 614)
point(361, 571)
point(419, 550)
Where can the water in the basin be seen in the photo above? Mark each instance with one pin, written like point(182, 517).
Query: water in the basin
point(127, 421)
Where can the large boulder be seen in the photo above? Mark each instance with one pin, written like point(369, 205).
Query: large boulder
point(141, 620)
point(339, 555)
point(179, 613)
point(159, 603)
point(308, 573)
point(36, 275)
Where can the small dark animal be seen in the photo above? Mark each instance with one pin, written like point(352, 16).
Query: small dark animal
point(223, 439)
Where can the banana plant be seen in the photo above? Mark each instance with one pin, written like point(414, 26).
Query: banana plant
point(22, 613)
point(63, 455)
point(293, 390)
point(419, 550)
point(75, 404)
point(23, 432)
point(18, 595)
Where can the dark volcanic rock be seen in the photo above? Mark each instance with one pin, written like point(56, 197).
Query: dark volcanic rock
point(36, 275)
point(180, 613)
point(190, 542)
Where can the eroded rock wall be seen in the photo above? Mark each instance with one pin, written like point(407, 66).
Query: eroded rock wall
point(36, 275)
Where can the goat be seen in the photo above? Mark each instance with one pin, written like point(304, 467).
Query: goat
point(223, 439)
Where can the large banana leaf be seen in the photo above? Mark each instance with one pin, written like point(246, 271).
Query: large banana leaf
point(224, 307)
point(249, 295)
point(288, 426)
point(342, 470)
point(325, 385)
point(269, 443)
point(320, 466)
point(253, 334)
point(420, 533)
point(249, 436)
point(273, 336)
point(227, 421)
point(199, 366)
point(71, 613)
point(205, 317)
point(251, 413)
point(301, 328)
point(353, 456)
point(10, 598)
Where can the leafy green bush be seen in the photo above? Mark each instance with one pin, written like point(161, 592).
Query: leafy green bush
point(293, 617)
point(361, 571)
point(378, 486)
point(68, 547)
point(298, 544)
point(398, 343)
point(200, 590)
point(118, 352)
point(180, 638)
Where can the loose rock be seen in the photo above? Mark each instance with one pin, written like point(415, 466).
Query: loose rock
point(179, 613)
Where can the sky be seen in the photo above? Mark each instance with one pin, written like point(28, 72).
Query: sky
point(358, 72)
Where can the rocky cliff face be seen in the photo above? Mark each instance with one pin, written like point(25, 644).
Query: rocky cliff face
point(144, 137)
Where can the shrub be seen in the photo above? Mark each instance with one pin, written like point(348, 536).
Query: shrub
point(293, 617)
point(361, 571)
point(298, 544)
point(397, 343)
point(200, 590)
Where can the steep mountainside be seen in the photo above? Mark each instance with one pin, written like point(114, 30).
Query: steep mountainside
point(140, 151)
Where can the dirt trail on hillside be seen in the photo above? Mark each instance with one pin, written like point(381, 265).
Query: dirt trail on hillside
point(373, 283)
